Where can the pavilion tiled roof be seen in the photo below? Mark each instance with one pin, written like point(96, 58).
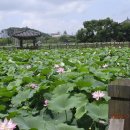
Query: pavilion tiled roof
point(23, 32)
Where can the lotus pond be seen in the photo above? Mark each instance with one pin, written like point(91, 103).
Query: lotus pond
point(58, 89)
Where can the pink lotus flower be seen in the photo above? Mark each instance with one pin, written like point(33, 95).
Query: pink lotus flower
point(98, 94)
point(46, 103)
point(60, 70)
point(7, 125)
point(33, 85)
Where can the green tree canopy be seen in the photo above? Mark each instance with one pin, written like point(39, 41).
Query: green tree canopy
point(103, 30)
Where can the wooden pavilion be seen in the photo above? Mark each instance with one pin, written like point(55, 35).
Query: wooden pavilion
point(26, 34)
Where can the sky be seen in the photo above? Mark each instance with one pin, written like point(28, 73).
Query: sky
point(51, 16)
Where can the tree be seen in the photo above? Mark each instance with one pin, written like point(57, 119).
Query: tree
point(126, 31)
point(104, 30)
point(90, 30)
point(63, 39)
point(65, 32)
point(81, 35)
point(67, 39)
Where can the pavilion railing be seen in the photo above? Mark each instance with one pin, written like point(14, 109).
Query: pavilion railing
point(73, 45)
point(85, 45)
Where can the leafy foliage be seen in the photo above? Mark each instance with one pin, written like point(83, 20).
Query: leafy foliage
point(104, 30)
point(29, 78)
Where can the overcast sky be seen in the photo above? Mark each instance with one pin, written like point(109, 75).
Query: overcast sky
point(51, 16)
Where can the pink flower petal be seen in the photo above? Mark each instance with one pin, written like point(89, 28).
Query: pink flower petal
point(46, 103)
point(98, 94)
point(60, 70)
point(7, 125)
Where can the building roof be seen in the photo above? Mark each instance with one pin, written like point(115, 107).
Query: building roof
point(25, 33)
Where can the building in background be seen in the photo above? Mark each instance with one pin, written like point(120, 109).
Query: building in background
point(58, 34)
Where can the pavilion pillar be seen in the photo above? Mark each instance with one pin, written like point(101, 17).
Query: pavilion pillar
point(21, 43)
point(34, 42)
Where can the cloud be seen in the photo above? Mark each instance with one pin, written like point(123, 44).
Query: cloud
point(58, 15)
point(1, 18)
point(21, 6)
point(70, 7)
point(46, 15)
point(52, 25)
point(41, 5)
